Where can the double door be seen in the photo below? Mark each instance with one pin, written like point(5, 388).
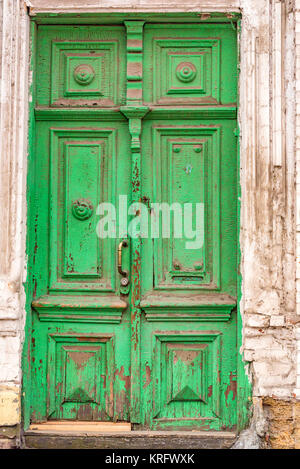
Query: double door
point(133, 225)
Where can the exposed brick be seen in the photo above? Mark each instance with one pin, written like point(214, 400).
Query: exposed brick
point(257, 320)
point(277, 321)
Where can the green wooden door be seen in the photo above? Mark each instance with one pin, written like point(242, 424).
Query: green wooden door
point(138, 118)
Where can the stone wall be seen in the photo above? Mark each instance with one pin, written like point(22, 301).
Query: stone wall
point(283, 416)
point(268, 197)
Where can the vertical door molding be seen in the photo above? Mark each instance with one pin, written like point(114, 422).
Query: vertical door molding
point(135, 111)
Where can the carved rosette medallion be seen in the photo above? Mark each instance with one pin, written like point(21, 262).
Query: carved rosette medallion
point(84, 74)
point(82, 209)
point(186, 72)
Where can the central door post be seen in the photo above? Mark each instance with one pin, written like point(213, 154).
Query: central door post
point(135, 111)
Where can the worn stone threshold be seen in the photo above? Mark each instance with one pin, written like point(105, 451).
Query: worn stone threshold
point(119, 436)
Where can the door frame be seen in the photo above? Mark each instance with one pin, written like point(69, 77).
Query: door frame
point(244, 389)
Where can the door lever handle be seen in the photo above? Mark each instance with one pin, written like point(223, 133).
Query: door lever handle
point(124, 273)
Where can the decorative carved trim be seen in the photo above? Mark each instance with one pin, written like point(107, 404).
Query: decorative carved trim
point(82, 209)
point(101, 309)
point(193, 308)
point(84, 114)
point(186, 72)
point(135, 116)
point(84, 74)
point(92, 6)
point(197, 314)
point(134, 31)
point(278, 116)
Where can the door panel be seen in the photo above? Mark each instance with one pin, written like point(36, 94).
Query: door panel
point(185, 169)
point(188, 338)
point(80, 340)
point(82, 175)
point(189, 373)
point(81, 370)
point(187, 386)
point(160, 351)
point(175, 171)
point(86, 66)
point(189, 290)
point(189, 64)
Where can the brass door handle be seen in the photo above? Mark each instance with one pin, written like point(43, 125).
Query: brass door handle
point(124, 273)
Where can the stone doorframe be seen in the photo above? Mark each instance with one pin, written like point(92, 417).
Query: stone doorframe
point(269, 305)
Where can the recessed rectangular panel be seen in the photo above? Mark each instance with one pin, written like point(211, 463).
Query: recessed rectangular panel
point(82, 249)
point(81, 66)
point(82, 365)
point(189, 64)
point(186, 193)
point(84, 75)
point(185, 377)
point(186, 372)
point(82, 175)
point(192, 70)
point(187, 190)
point(85, 71)
point(186, 65)
point(80, 370)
